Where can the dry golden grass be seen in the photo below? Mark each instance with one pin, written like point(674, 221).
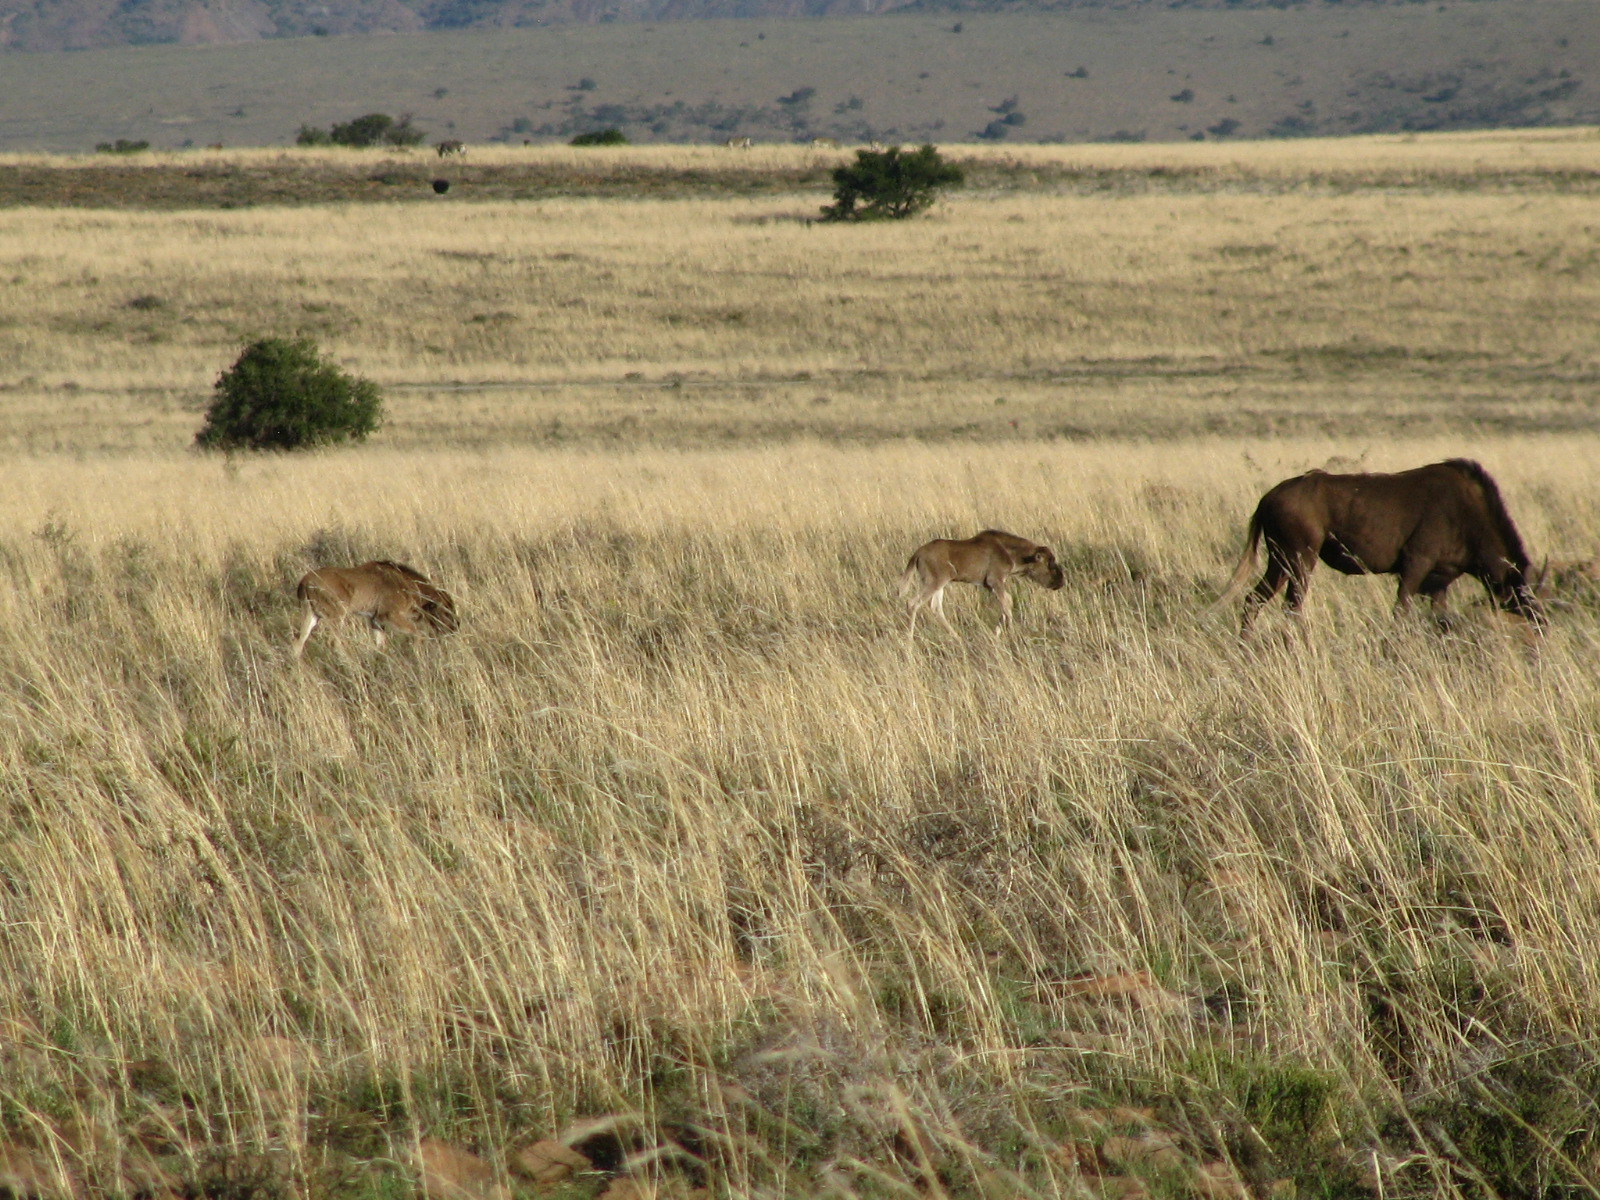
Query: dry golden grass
point(682, 827)
point(1247, 308)
point(682, 823)
point(1418, 156)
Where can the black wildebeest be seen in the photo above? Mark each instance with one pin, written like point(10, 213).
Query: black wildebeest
point(1429, 526)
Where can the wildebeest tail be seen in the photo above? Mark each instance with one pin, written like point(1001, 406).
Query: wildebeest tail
point(310, 584)
point(1246, 567)
point(908, 577)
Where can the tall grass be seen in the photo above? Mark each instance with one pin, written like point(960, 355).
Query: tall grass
point(683, 824)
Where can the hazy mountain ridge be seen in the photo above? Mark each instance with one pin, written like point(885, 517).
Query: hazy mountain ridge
point(1151, 72)
point(46, 25)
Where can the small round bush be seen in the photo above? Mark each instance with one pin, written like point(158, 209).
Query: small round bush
point(282, 395)
point(889, 184)
point(600, 137)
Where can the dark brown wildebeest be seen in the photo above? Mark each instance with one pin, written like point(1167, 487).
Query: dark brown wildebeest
point(988, 559)
point(389, 595)
point(1429, 526)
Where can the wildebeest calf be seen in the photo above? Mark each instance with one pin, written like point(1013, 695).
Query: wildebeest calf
point(1429, 526)
point(988, 559)
point(390, 595)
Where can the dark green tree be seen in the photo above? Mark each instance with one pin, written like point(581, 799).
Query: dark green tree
point(889, 184)
point(371, 130)
point(600, 137)
point(282, 395)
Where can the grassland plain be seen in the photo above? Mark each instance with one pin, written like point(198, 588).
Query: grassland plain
point(682, 851)
point(1364, 286)
point(683, 831)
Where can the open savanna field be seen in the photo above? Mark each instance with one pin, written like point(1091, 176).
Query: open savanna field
point(682, 855)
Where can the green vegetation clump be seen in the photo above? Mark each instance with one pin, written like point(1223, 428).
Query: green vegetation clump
point(889, 184)
point(121, 146)
point(282, 395)
point(374, 129)
point(600, 137)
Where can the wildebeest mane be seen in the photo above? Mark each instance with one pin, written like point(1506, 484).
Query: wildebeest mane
point(1504, 525)
point(401, 569)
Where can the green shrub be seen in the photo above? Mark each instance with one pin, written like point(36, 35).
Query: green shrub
point(371, 130)
point(600, 137)
point(281, 395)
point(120, 146)
point(889, 184)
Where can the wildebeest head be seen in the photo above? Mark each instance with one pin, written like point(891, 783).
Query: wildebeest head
point(1516, 593)
point(1041, 567)
point(438, 608)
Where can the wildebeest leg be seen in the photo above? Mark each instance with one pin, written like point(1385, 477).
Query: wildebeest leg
point(936, 604)
point(923, 599)
point(1002, 599)
point(308, 622)
point(1298, 578)
point(1412, 577)
point(1441, 609)
point(1271, 582)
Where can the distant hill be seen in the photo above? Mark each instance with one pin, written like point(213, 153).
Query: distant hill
point(45, 25)
point(1131, 73)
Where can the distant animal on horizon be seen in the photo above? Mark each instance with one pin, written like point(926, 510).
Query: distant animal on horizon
point(825, 143)
point(988, 559)
point(391, 596)
point(451, 146)
point(738, 143)
point(1428, 526)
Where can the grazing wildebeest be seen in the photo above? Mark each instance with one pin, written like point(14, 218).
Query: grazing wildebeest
point(451, 146)
point(988, 559)
point(1429, 526)
point(390, 595)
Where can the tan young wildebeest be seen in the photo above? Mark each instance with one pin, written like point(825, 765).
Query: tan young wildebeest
point(390, 595)
point(1429, 526)
point(988, 559)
